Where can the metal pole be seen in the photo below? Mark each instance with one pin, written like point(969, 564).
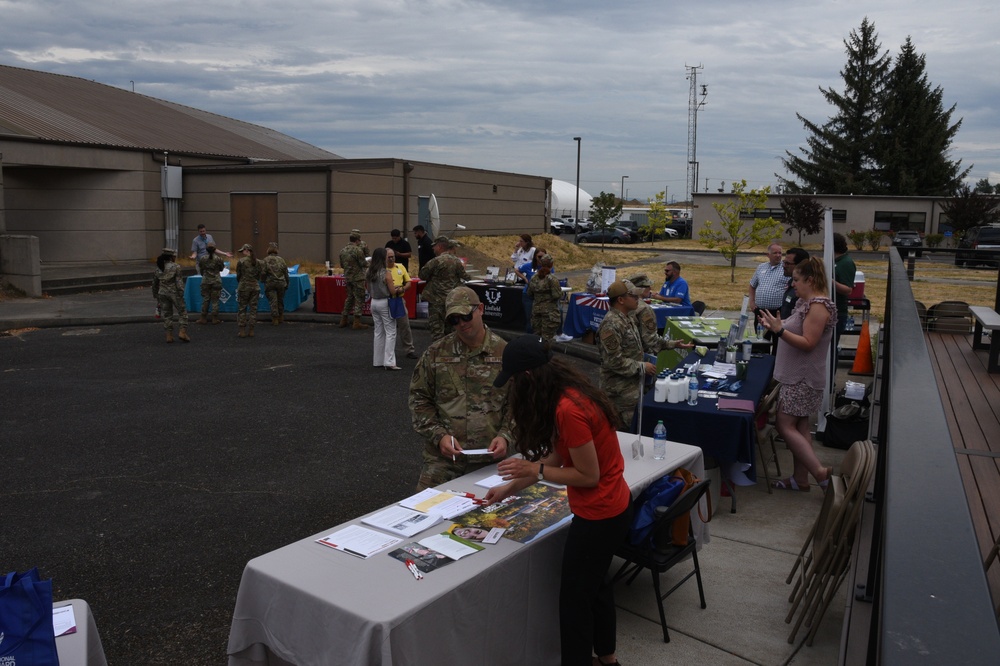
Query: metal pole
point(622, 193)
point(576, 219)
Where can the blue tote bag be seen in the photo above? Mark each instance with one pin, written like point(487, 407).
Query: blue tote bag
point(26, 633)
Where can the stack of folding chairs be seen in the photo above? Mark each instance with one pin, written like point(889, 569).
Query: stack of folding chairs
point(825, 558)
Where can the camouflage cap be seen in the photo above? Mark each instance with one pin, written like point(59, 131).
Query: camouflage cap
point(546, 260)
point(272, 248)
point(210, 244)
point(442, 240)
point(356, 231)
point(461, 301)
point(620, 288)
point(169, 250)
point(641, 280)
point(246, 246)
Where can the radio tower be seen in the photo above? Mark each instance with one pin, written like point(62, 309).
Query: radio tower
point(693, 105)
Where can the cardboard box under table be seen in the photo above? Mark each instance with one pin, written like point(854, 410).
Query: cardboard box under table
point(309, 604)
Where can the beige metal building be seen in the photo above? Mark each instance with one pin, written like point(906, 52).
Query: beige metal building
point(92, 173)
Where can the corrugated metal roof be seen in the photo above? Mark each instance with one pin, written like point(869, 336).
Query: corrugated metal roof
point(55, 107)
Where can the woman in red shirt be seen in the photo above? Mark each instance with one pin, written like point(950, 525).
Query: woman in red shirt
point(565, 429)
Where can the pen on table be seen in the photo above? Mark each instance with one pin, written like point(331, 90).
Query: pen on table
point(453, 448)
point(470, 496)
point(411, 565)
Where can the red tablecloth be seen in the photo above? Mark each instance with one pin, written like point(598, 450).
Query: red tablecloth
point(330, 292)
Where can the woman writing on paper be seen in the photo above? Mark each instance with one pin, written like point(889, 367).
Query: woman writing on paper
point(803, 348)
point(565, 429)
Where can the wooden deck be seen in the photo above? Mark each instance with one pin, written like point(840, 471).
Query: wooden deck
point(971, 400)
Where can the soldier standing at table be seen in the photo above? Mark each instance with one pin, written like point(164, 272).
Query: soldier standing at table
point(275, 283)
point(620, 345)
point(645, 319)
point(248, 274)
point(452, 401)
point(362, 244)
point(442, 274)
point(545, 292)
point(168, 290)
point(352, 260)
point(210, 266)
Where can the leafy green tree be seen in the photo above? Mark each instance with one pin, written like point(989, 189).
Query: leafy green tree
point(839, 156)
point(605, 211)
point(739, 226)
point(916, 133)
point(983, 186)
point(970, 208)
point(802, 214)
point(658, 216)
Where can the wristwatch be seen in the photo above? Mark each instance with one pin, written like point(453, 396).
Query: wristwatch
point(541, 472)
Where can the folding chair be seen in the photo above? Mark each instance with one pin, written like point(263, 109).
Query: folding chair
point(659, 555)
point(766, 433)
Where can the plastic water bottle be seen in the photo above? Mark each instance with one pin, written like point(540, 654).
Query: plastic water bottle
point(659, 441)
point(760, 331)
point(693, 389)
point(849, 326)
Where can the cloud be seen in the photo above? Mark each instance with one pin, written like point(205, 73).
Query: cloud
point(507, 85)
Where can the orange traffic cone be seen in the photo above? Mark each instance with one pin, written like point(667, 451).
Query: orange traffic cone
point(863, 354)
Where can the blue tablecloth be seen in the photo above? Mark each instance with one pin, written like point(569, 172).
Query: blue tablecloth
point(727, 436)
point(298, 290)
point(586, 311)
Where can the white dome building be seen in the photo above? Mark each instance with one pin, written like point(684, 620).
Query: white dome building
point(564, 200)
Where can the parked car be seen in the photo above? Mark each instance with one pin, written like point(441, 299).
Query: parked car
point(908, 240)
point(633, 236)
point(638, 235)
point(558, 226)
point(614, 235)
point(980, 245)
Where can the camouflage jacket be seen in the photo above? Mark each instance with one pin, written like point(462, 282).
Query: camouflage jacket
point(545, 291)
point(645, 321)
point(442, 274)
point(211, 266)
point(621, 348)
point(248, 272)
point(452, 393)
point(352, 260)
point(168, 281)
point(275, 270)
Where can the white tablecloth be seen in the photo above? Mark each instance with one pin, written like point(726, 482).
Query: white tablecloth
point(82, 648)
point(309, 605)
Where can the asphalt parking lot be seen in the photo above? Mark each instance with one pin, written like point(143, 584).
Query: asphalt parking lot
point(142, 476)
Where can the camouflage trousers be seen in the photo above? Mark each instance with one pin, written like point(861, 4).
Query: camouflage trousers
point(436, 321)
point(210, 298)
point(246, 305)
point(624, 396)
point(546, 323)
point(355, 302)
point(172, 305)
point(437, 469)
point(275, 292)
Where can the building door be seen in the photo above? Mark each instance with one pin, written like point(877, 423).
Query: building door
point(254, 219)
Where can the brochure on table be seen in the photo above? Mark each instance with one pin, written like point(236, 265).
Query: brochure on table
point(534, 511)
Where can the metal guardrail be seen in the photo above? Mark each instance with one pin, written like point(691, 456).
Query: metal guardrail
point(931, 599)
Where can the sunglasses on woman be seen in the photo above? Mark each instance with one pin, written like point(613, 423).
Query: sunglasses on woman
point(454, 319)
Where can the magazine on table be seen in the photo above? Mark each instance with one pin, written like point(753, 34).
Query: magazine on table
point(534, 511)
point(402, 521)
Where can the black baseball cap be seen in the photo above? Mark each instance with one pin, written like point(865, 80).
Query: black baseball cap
point(524, 353)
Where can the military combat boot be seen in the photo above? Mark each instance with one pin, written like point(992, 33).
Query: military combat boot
point(201, 319)
point(183, 335)
point(170, 335)
point(243, 331)
point(274, 319)
point(345, 321)
point(281, 318)
point(358, 326)
point(216, 320)
point(250, 330)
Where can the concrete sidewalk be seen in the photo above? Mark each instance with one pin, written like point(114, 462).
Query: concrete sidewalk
point(744, 565)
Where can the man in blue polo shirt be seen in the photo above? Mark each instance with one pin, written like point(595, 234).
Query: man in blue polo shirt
point(675, 288)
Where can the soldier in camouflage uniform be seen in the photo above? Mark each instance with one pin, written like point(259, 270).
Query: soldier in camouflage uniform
point(362, 244)
point(442, 274)
point(622, 364)
point(249, 271)
point(352, 260)
point(275, 283)
point(168, 290)
point(210, 266)
point(452, 399)
point(652, 341)
point(545, 292)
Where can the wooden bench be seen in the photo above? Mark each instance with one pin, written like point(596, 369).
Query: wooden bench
point(987, 319)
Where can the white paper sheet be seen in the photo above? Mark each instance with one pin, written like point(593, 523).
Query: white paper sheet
point(444, 504)
point(63, 620)
point(402, 521)
point(359, 541)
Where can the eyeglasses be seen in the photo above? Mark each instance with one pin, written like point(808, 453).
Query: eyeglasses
point(454, 319)
point(788, 263)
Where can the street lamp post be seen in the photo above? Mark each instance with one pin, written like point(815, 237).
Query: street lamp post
point(623, 189)
point(576, 218)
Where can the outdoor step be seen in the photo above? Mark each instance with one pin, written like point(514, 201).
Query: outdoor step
point(82, 288)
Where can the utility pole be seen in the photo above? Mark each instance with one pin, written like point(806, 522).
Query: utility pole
point(693, 105)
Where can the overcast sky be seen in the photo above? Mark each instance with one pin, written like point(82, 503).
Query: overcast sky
point(507, 85)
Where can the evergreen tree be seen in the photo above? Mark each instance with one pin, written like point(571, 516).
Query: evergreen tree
point(840, 157)
point(916, 133)
point(983, 186)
